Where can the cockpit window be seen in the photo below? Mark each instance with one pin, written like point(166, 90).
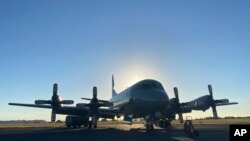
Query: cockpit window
point(151, 86)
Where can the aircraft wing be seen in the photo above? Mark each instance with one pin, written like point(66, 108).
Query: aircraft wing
point(31, 105)
point(69, 110)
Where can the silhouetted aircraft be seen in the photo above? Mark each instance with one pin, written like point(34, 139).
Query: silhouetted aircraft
point(82, 110)
point(146, 99)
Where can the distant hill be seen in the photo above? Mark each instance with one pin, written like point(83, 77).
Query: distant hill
point(21, 121)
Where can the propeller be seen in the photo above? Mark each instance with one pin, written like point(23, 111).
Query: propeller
point(212, 102)
point(53, 115)
point(94, 102)
point(93, 106)
point(205, 102)
point(55, 102)
point(178, 105)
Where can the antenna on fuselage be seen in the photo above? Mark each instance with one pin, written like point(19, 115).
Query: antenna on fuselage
point(113, 87)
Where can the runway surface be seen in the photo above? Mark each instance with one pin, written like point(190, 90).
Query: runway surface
point(121, 132)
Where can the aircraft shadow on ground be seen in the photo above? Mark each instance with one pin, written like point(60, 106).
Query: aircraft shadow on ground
point(110, 134)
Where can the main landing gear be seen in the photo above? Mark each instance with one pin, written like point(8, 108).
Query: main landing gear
point(149, 126)
point(93, 121)
point(161, 123)
point(90, 125)
point(166, 124)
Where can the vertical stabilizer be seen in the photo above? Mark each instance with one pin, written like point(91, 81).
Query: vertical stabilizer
point(113, 87)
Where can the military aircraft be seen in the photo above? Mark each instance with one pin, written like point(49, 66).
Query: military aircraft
point(83, 111)
point(145, 99)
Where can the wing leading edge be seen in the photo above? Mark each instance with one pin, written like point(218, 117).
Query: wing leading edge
point(69, 110)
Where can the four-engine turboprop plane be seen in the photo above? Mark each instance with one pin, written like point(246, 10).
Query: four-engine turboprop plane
point(146, 99)
point(81, 110)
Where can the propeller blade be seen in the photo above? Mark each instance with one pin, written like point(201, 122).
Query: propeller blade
point(95, 92)
point(86, 98)
point(39, 102)
point(178, 105)
point(214, 112)
point(53, 116)
point(210, 90)
point(213, 102)
point(176, 93)
point(180, 117)
point(67, 102)
point(55, 89)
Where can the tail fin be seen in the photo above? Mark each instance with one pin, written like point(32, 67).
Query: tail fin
point(113, 87)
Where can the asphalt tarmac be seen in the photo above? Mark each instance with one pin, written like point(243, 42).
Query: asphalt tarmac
point(121, 132)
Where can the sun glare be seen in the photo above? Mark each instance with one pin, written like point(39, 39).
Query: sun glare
point(138, 70)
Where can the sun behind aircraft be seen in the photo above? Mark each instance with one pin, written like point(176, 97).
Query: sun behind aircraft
point(145, 99)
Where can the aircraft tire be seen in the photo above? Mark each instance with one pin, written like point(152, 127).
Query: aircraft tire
point(68, 125)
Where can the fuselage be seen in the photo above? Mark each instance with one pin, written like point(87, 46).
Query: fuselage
point(143, 98)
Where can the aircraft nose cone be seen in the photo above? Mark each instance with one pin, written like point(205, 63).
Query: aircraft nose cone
point(150, 100)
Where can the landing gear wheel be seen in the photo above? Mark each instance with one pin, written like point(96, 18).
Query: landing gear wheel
point(68, 125)
point(85, 125)
point(90, 125)
point(161, 123)
point(149, 127)
point(167, 124)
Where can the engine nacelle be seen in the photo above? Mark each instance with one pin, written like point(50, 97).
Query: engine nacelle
point(202, 103)
point(81, 105)
point(171, 107)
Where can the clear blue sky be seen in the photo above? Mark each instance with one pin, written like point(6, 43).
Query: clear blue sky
point(79, 44)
